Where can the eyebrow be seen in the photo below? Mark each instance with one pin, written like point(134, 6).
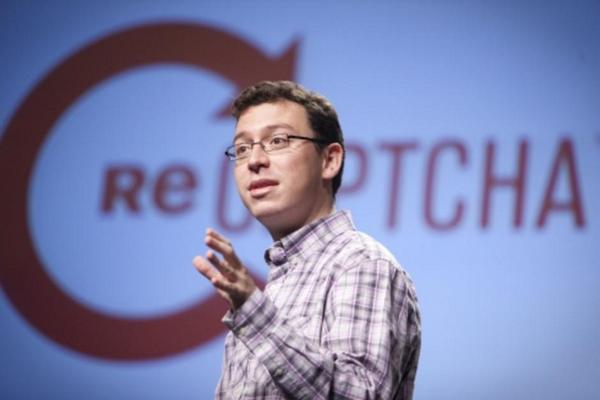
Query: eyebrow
point(266, 128)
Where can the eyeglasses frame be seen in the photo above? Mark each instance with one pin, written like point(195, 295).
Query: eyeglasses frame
point(262, 145)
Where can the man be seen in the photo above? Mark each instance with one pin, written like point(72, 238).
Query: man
point(338, 318)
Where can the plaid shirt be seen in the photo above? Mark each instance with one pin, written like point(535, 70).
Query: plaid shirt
point(338, 319)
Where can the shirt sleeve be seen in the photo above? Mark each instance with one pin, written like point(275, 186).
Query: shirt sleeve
point(372, 335)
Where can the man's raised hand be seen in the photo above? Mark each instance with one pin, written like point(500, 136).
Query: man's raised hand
point(228, 275)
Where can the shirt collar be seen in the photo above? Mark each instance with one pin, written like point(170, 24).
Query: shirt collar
point(309, 239)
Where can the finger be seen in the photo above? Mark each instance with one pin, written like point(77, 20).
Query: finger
point(223, 246)
point(213, 233)
point(204, 267)
point(214, 276)
point(222, 266)
point(225, 287)
point(217, 278)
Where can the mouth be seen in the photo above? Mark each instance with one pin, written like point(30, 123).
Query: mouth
point(261, 187)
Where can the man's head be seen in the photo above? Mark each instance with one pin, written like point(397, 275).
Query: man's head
point(288, 155)
point(321, 114)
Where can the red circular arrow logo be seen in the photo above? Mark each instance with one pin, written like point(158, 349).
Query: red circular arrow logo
point(25, 281)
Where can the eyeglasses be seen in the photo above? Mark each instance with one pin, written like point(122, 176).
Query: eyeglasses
point(271, 144)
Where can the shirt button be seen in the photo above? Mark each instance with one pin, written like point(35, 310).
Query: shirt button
point(278, 373)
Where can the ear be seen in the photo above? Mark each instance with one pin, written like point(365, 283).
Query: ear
point(333, 155)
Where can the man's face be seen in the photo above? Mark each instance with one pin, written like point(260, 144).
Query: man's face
point(284, 190)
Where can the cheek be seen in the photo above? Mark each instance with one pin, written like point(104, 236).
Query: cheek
point(238, 174)
point(303, 179)
point(240, 183)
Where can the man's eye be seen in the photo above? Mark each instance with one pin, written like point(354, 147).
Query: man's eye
point(242, 149)
point(278, 141)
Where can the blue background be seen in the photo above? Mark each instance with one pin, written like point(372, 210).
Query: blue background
point(508, 312)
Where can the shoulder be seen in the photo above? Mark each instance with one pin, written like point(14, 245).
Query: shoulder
point(358, 256)
point(365, 271)
point(354, 244)
point(355, 253)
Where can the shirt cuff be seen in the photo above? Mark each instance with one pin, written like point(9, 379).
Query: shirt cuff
point(236, 319)
point(252, 321)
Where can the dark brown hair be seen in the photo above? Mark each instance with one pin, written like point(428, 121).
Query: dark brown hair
point(322, 116)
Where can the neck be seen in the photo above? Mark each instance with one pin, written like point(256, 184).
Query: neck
point(279, 231)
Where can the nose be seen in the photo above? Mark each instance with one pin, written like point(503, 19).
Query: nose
point(258, 157)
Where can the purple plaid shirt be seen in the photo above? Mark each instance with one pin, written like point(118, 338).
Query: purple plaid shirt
point(338, 319)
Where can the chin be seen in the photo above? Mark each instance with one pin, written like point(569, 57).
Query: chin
point(263, 210)
point(268, 213)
